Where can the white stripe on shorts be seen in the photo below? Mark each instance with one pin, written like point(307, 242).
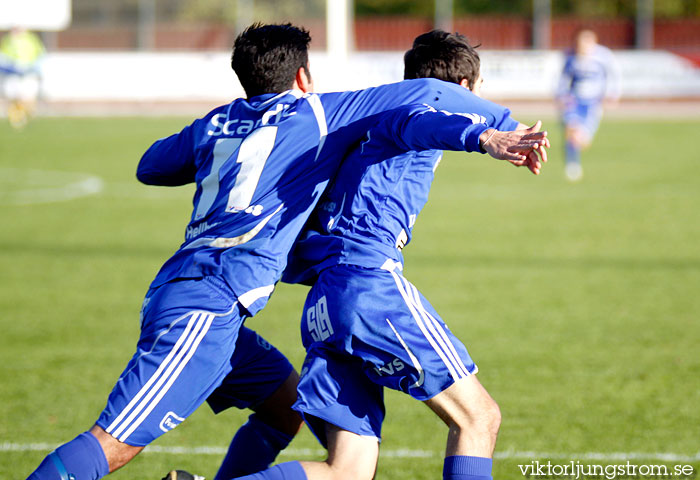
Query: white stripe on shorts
point(438, 330)
point(414, 360)
point(429, 333)
point(160, 382)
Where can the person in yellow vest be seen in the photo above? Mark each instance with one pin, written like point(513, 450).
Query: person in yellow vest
point(21, 52)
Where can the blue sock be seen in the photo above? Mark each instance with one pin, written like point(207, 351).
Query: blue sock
point(462, 467)
point(283, 471)
point(254, 447)
point(573, 154)
point(80, 459)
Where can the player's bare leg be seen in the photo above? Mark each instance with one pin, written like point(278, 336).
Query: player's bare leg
point(472, 416)
point(577, 140)
point(350, 457)
point(578, 136)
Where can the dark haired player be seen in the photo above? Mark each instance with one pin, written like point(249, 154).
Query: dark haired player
point(260, 165)
point(364, 325)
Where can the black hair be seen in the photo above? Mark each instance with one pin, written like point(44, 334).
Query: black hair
point(266, 58)
point(442, 55)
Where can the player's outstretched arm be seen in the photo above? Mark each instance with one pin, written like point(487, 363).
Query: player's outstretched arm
point(526, 147)
point(422, 127)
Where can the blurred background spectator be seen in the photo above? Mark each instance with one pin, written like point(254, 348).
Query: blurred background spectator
point(20, 55)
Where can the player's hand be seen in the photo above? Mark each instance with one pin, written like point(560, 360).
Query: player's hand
point(525, 147)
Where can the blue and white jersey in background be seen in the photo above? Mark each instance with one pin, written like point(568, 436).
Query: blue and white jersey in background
point(367, 214)
point(260, 166)
point(591, 78)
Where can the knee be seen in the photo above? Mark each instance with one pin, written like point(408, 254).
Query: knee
point(483, 416)
point(493, 417)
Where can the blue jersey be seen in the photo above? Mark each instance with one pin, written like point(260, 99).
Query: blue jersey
point(368, 214)
point(260, 166)
point(588, 79)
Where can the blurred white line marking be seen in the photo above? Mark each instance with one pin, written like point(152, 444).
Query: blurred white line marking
point(20, 186)
point(398, 453)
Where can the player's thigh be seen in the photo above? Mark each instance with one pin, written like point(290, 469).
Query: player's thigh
point(350, 456)
point(189, 330)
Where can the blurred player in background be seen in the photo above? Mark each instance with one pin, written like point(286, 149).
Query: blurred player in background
point(589, 79)
point(364, 325)
point(260, 165)
point(21, 52)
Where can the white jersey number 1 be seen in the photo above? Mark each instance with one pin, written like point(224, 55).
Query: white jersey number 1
point(253, 152)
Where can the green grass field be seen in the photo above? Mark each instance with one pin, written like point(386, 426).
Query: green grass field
point(579, 301)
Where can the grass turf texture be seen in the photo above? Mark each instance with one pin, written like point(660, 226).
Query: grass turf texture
point(578, 301)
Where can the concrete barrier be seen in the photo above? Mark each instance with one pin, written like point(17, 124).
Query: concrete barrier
point(207, 77)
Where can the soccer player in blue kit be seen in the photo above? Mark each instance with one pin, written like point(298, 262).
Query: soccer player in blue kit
point(590, 78)
point(364, 325)
point(260, 165)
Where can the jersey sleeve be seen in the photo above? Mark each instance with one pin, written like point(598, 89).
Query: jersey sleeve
point(422, 127)
point(351, 114)
point(504, 122)
point(450, 97)
point(169, 161)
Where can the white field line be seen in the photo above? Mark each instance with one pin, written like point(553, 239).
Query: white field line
point(396, 453)
point(31, 186)
point(19, 186)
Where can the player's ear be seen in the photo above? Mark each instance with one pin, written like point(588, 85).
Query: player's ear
point(476, 88)
point(303, 80)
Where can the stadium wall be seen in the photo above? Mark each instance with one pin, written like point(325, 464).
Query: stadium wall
point(388, 33)
point(188, 76)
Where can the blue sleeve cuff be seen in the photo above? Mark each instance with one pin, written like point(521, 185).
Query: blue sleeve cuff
point(472, 134)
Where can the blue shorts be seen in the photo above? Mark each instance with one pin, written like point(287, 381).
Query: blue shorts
point(365, 329)
point(585, 116)
point(193, 347)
